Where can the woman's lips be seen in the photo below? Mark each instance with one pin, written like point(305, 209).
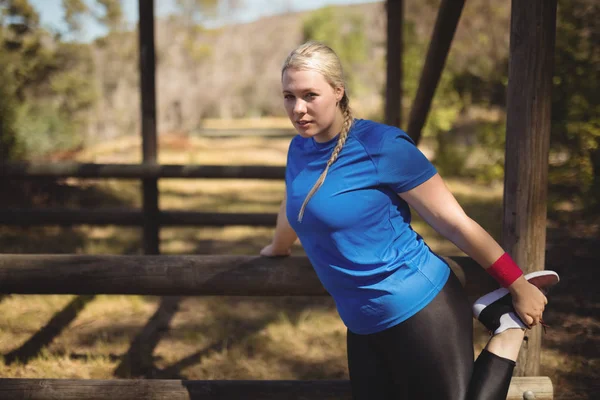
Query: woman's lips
point(303, 124)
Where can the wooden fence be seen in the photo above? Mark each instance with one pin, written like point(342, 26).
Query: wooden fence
point(133, 217)
point(195, 276)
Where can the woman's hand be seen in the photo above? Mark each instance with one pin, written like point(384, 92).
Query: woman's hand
point(529, 302)
point(272, 251)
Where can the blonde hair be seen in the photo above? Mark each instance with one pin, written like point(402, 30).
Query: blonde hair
point(316, 56)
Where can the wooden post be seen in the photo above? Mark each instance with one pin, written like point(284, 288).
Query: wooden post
point(393, 87)
point(443, 32)
point(138, 360)
point(532, 34)
point(148, 103)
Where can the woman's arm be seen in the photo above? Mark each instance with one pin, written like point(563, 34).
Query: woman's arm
point(284, 236)
point(437, 206)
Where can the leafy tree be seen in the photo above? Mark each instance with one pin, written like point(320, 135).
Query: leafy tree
point(106, 12)
point(21, 64)
point(576, 100)
point(47, 91)
point(344, 32)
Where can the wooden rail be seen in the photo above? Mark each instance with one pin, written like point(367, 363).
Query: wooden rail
point(84, 389)
point(138, 171)
point(126, 217)
point(184, 275)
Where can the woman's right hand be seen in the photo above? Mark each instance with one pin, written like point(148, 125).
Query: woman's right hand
point(272, 251)
point(529, 302)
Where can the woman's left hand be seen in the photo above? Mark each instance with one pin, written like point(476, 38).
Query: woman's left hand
point(529, 302)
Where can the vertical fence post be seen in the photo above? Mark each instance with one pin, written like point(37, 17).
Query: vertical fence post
point(393, 87)
point(148, 105)
point(532, 35)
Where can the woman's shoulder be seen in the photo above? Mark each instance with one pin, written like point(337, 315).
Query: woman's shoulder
point(373, 135)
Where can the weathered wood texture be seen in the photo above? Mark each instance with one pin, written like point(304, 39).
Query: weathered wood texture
point(183, 275)
point(147, 60)
point(393, 87)
point(138, 171)
point(532, 34)
point(439, 47)
point(124, 217)
point(47, 389)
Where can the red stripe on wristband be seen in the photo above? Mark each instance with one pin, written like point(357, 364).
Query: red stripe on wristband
point(505, 271)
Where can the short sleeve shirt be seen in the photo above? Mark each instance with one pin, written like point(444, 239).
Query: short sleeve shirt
point(356, 229)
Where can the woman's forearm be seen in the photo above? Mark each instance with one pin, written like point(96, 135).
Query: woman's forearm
point(284, 236)
point(475, 241)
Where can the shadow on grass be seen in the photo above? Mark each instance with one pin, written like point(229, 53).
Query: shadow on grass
point(42, 338)
point(55, 240)
point(229, 323)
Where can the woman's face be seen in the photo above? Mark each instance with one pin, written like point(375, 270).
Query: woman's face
point(311, 104)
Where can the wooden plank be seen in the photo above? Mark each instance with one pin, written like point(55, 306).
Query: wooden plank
point(184, 275)
point(84, 389)
point(393, 87)
point(147, 61)
point(138, 171)
point(125, 217)
point(439, 47)
point(532, 34)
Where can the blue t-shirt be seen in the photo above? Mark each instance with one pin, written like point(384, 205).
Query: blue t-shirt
point(356, 229)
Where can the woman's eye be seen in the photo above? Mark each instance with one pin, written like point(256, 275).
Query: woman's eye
point(288, 96)
point(311, 95)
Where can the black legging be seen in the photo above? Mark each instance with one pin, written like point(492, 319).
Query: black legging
point(428, 356)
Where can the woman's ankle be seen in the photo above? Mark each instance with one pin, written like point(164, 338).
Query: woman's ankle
point(507, 344)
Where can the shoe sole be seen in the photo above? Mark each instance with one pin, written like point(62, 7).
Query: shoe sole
point(543, 280)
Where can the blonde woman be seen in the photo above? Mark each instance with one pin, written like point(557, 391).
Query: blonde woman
point(349, 184)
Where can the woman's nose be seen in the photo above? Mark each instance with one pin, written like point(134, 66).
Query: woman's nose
point(300, 107)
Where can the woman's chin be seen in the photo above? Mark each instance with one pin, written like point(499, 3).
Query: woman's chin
point(304, 134)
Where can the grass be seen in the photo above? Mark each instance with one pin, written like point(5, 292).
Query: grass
point(226, 337)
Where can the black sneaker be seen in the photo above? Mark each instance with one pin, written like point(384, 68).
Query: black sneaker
point(495, 310)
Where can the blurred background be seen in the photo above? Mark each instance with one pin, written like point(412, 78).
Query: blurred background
point(69, 91)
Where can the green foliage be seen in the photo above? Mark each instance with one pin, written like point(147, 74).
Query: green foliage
point(197, 51)
point(46, 91)
point(576, 100)
point(44, 127)
point(8, 139)
point(344, 32)
point(74, 12)
point(106, 12)
point(112, 15)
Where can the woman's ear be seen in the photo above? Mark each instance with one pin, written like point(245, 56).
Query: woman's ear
point(339, 94)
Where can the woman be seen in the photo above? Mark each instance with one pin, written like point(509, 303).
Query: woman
point(349, 184)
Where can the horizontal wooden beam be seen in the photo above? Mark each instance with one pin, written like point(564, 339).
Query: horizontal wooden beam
point(126, 217)
point(139, 171)
point(183, 275)
point(84, 389)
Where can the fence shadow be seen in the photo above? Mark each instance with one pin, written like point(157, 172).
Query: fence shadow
point(42, 338)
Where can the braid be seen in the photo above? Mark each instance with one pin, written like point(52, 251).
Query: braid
point(348, 119)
